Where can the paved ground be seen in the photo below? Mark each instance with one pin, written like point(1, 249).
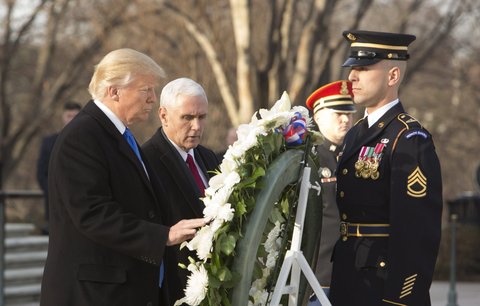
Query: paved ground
point(468, 294)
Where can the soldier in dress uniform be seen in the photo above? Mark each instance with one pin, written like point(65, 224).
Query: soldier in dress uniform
point(333, 109)
point(389, 188)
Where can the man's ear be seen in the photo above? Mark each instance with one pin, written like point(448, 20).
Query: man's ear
point(113, 93)
point(394, 76)
point(162, 114)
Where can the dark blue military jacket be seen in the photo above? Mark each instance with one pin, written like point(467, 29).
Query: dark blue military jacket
point(390, 258)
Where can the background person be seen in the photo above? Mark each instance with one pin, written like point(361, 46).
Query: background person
point(106, 206)
point(230, 138)
point(333, 109)
point(70, 110)
point(182, 165)
point(389, 186)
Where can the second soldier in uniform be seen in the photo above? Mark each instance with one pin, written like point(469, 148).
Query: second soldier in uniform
point(333, 110)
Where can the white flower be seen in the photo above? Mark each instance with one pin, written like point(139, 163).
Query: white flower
point(202, 242)
point(271, 259)
point(219, 198)
point(260, 297)
point(226, 212)
point(216, 224)
point(218, 209)
point(270, 243)
point(247, 138)
point(281, 106)
point(222, 181)
point(303, 111)
point(197, 285)
point(229, 163)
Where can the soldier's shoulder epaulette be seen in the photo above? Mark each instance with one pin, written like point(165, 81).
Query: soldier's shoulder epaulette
point(412, 128)
point(409, 121)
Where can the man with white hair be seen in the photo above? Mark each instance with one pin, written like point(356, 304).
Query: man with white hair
point(182, 165)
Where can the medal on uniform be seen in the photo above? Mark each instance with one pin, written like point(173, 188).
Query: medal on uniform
point(325, 172)
point(376, 158)
point(359, 164)
point(367, 168)
point(369, 161)
point(366, 173)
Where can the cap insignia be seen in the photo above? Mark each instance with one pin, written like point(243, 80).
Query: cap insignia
point(344, 88)
point(351, 36)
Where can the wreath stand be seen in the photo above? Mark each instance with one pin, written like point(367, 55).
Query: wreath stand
point(294, 259)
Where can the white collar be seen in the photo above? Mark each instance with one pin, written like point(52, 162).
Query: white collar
point(181, 151)
point(108, 112)
point(377, 114)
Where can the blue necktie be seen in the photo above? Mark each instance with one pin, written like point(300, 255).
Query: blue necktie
point(133, 144)
point(131, 141)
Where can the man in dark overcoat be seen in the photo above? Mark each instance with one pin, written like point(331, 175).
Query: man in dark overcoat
point(70, 110)
point(182, 165)
point(389, 186)
point(107, 239)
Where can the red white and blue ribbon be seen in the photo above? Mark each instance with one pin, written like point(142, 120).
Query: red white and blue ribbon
point(296, 131)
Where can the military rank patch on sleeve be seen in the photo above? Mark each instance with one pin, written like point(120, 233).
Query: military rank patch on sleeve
point(417, 184)
point(416, 133)
point(408, 285)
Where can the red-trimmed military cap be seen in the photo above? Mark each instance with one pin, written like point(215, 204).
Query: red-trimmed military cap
point(368, 48)
point(336, 95)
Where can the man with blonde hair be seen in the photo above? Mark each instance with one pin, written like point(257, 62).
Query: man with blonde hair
point(106, 206)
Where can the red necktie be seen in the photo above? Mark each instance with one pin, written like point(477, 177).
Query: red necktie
point(196, 175)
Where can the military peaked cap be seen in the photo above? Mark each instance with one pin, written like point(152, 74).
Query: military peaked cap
point(336, 96)
point(368, 48)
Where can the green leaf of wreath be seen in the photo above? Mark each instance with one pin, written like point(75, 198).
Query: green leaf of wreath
point(283, 171)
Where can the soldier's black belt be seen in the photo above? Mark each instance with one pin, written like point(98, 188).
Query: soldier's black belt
point(363, 230)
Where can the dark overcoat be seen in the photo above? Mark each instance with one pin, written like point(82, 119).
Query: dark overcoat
point(42, 167)
point(327, 158)
point(407, 197)
point(106, 240)
point(185, 201)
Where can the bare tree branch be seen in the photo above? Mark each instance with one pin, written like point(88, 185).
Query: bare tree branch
point(214, 61)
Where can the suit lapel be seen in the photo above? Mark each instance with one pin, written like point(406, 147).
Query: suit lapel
point(179, 172)
point(123, 146)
